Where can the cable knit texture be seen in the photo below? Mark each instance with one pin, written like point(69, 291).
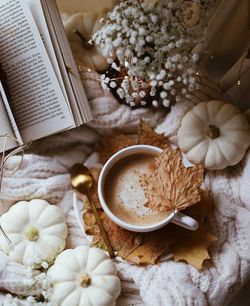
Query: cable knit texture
point(44, 173)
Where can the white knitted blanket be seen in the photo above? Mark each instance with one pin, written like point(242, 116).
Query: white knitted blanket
point(44, 173)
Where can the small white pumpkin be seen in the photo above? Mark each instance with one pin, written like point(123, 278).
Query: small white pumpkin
point(215, 134)
point(36, 229)
point(84, 276)
point(85, 54)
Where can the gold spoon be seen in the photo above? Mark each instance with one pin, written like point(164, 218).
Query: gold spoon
point(82, 180)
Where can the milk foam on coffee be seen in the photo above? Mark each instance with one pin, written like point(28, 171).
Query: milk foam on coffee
point(124, 194)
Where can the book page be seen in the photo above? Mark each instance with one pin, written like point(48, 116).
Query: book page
point(5, 124)
point(37, 101)
point(36, 9)
point(53, 42)
point(73, 83)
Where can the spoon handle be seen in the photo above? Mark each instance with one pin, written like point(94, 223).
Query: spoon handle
point(100, 226)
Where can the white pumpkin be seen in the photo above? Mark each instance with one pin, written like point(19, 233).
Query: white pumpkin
point(215, 134)
point(84, 276)
point(86, 24)
point(36, 229)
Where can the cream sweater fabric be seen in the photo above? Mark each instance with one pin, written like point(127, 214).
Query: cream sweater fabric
point(44, 173)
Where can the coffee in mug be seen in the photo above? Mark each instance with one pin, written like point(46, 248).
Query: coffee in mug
point(122, 197)
point(125, 196)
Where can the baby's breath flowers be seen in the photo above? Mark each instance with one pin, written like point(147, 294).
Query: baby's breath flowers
point(40, 289)
point(152, 44)
point(36, 286)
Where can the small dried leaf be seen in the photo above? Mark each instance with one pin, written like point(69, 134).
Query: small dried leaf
point(146, 135)
point(172, 186)
point(92, 230)
point(192, 246)
point(155, 245)
point(89, 218)
point(112, 144)
point(90, 226)
point(201, 209)
point(123, 242)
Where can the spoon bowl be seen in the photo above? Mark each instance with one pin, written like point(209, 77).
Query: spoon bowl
point(81, 178)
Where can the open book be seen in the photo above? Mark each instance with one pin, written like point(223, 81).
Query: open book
point(46, 93)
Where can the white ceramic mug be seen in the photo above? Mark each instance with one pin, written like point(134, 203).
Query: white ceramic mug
point(175, 217)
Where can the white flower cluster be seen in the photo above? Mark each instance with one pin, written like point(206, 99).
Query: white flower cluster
point(154, 44)
point(39, 285)
point(37, 261)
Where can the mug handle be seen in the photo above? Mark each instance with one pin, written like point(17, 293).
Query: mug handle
point(185, 221)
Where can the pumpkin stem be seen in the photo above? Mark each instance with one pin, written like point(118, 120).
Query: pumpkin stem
point(213, 132)
point(32, 233)
point(85, 280)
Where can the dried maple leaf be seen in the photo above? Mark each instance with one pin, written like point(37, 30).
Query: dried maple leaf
point(137, 248)
point(172, 186)
point(159, 242)
point(112, 144)
point(90, 226)
point(200, 210)
point(123, 242)
point(192, 246)
point(88, 218)
point(155, 245)
point(147, 135)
